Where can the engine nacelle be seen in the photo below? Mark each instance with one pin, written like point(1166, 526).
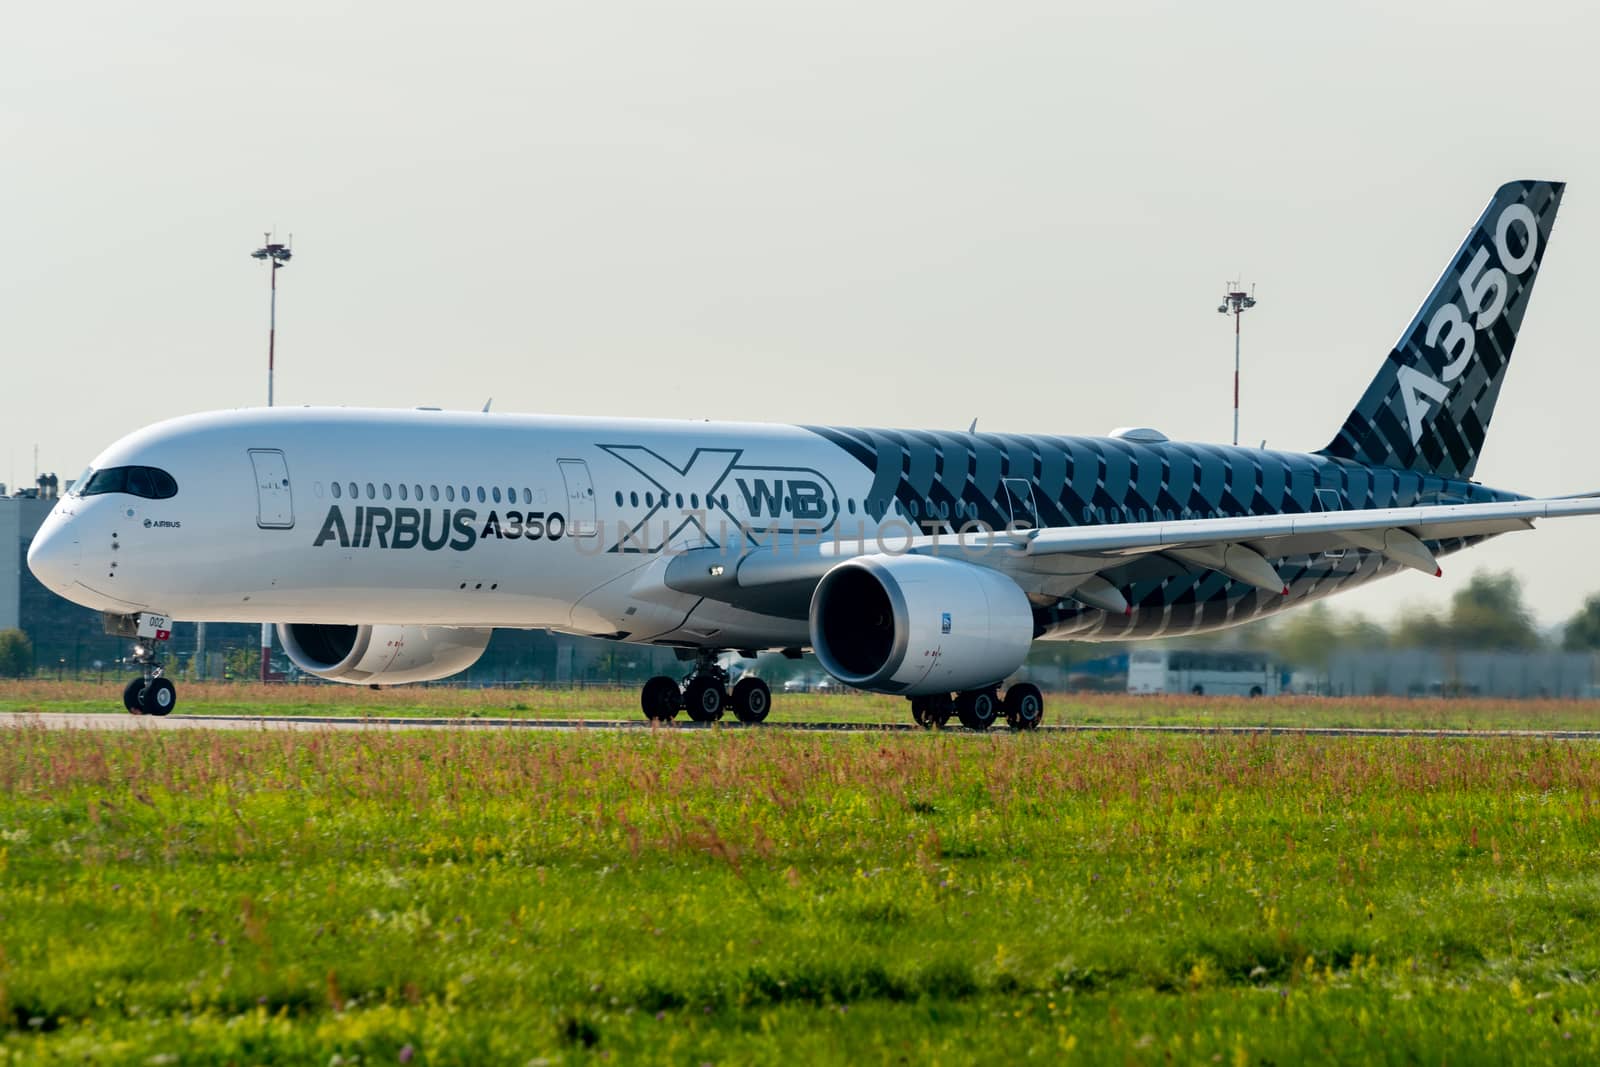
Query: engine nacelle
point(919, 624)
point(381, 655)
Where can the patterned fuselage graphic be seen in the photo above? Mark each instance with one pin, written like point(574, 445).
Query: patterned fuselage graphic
point(948, 478)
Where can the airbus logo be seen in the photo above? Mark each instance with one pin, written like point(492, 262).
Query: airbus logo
point(162, 524)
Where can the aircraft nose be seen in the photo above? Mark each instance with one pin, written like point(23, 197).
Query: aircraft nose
point(53, 557)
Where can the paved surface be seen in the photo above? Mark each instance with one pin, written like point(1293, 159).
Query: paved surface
point(114, 721)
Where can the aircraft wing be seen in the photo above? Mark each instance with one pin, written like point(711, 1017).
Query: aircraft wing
point(1067, 561)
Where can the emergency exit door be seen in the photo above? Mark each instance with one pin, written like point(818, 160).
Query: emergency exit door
point(580, 498)
point(274, 501)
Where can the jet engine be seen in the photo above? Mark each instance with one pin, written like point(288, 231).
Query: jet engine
point(381, 655)
point(918, 625)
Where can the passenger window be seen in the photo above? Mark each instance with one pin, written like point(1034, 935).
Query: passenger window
point(337, 492)
point(633, 499)
point(372, 494)
point(680, 500)
point(511, 496)
point(619, 498)
point(851, 505)
point(386, 493)
point(433, 492)
point(402, 490)
point(496, 494)
point(418, 488)
point(355, 493)
point(450, 493)
point(482, 498)
point(694, 500)
point(527, 497)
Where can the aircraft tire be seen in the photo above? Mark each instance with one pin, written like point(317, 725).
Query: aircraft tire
point(704, 699)
point(1024, 707)
point(921, 712)
point(752, 700)
point(159, 697)
point(978, 708)
point(660, 699)
point(131, 694)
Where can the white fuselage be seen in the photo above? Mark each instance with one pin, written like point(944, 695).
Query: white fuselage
point(313, 515)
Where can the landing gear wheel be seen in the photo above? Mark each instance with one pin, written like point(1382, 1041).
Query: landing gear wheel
point(660, 699)
point(978, 708)
point(940, 708)
point(131, 694)
point(704, 699)
point(1024, 707)
point(159, 697)
point(751, 700)
point(920, 714)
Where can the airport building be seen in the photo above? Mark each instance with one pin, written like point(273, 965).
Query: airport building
point(20, 517)
point(1422, 673)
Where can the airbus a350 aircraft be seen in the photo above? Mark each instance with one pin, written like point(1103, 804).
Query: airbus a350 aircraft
point(387, 545)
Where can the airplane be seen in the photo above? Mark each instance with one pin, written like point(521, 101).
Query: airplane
point(386, 545)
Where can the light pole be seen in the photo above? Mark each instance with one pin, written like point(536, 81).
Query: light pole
point(1238, 302)
point(277, 255)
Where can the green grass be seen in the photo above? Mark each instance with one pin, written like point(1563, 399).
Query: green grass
point(737, 896)
point(602, 704)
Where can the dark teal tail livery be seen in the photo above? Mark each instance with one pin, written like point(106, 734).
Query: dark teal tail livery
point(1429, 407)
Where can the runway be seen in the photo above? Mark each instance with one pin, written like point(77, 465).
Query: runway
point(111, 721)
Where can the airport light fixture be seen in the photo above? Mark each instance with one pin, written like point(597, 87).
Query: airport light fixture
point(278, 255)
point(1237, 301)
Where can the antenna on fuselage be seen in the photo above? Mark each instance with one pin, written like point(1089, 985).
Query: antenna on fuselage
point(486, 404)
point(974, 427)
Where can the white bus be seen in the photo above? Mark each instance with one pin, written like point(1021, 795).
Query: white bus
point(1202, 672)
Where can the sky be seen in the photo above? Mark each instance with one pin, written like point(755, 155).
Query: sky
point(892, 213)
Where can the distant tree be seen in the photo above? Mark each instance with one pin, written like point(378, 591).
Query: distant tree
point(16, 654)
point(1421, 629)
point(243, 664)
point(1583, 629)
point(1486, 615)
point(1307, 638)
point(1363, 634)
point(1489, 614)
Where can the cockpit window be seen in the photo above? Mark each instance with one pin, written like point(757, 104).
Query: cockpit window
point(152, 483)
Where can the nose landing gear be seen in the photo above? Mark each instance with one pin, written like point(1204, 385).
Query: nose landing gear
point(150, 693)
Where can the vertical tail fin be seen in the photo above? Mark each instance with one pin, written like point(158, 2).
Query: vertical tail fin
point(1429, 407)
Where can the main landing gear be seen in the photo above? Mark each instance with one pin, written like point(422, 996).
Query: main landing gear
point(704, 695)
point(977, 709)
point(150, 693)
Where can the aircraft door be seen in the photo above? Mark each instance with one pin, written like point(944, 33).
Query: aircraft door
point(580, 498)
point(274, 500)
point(1329, 500)
point(1024, 515)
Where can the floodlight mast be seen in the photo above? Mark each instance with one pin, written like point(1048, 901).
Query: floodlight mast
point(278, 255)
point(1237, 301)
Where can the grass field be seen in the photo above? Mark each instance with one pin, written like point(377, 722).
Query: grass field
point(749, 896)
point(600, 704)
